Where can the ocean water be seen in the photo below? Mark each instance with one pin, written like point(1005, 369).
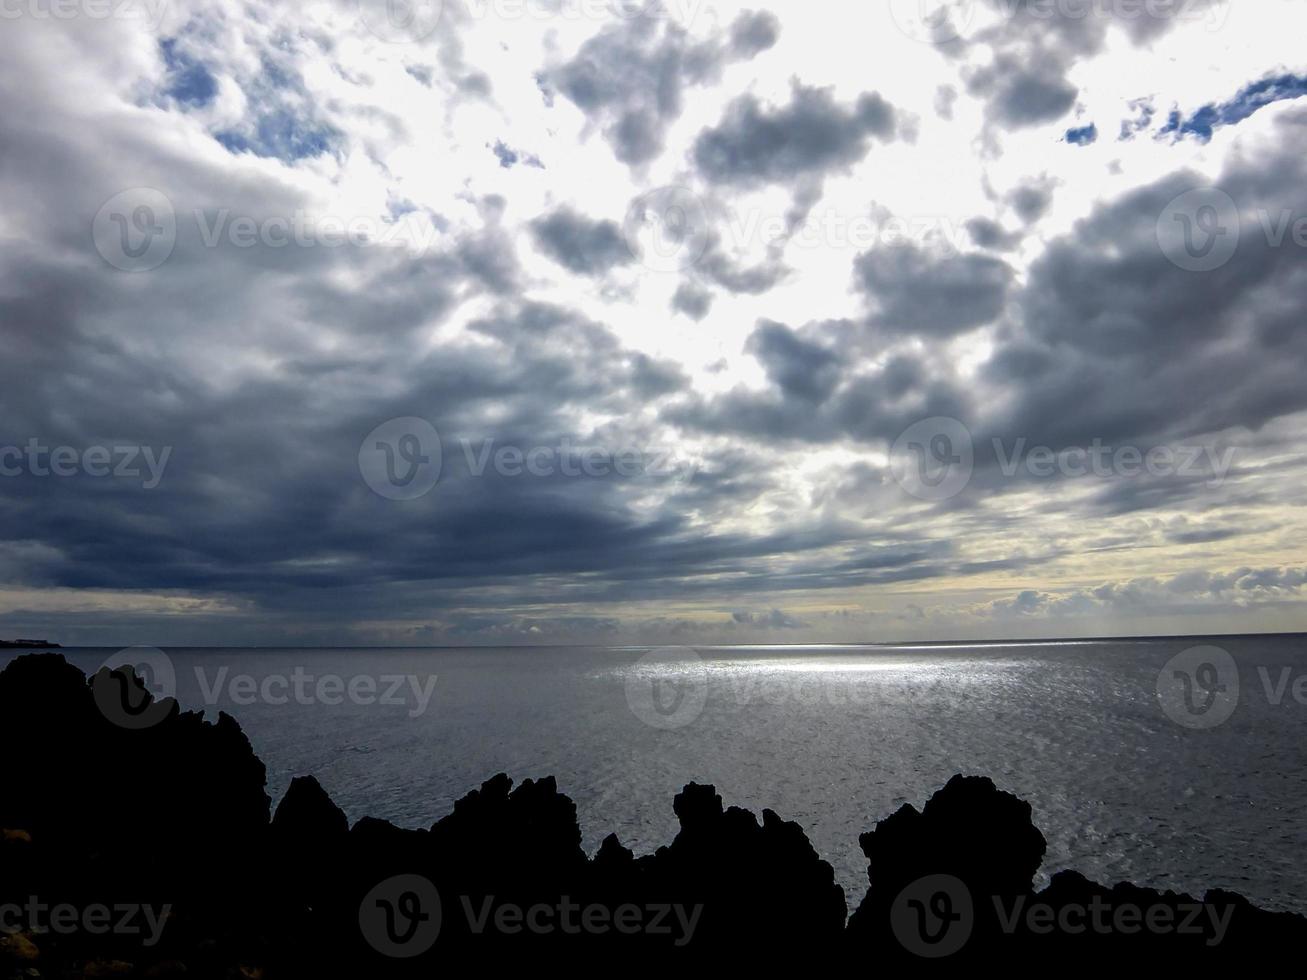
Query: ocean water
point(1192, 781)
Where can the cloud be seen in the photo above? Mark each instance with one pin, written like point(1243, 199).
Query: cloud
point(811, 136)
point(692, 300)
point(774, 620)
point(586, 247)
point(914, 291)
point(630, 79)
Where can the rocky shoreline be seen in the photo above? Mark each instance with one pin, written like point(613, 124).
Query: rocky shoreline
point(153, 851)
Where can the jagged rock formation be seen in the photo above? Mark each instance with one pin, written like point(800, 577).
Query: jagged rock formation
point(174, 817)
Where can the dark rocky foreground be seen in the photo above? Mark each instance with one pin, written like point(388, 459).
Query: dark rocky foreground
point(152, 851)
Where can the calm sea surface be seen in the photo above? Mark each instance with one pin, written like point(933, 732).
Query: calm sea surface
point(1202, 785)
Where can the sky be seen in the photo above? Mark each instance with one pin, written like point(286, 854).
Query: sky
point(494, 322)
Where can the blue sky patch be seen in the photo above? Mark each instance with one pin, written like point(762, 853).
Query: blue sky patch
point(189, 82)
point(1252, 98)
point(1083, 136)
point(281, 134)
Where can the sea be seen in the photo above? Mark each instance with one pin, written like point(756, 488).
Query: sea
point(1174, 763)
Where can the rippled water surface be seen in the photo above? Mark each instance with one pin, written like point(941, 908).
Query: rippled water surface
point(833, 737)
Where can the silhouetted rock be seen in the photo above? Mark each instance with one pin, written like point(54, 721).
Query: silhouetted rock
point(955, 880)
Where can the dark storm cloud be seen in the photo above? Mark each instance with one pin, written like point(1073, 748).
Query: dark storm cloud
point(1019, 96)
point(988, 233)
point(1120, 342)
point(1032, 200)
point(811, 136)
point(818, 394)
point(800, 368)
point(584, 246)
point(754, 32)
point(915, 291)
point(630, 79)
